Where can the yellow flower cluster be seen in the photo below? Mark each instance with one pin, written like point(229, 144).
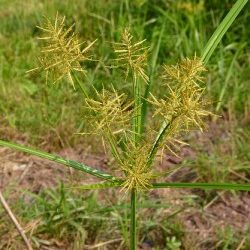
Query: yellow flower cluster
point(109, 111)
point(62, 53)
point(137, 174)
point(117, 120)
point(132, 56)
point(183, 107)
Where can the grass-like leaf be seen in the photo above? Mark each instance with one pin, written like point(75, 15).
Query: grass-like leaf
point(221, 30)
point(59, 159)
point(223, 186)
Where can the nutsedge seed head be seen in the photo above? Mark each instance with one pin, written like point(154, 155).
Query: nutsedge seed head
point(109, 111)
point(184, 107)
point(138, 175)
point(62, 53)
point(187, 73)
point(132, 56)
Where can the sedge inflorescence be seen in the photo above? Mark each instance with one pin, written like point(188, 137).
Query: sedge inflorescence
point(109, 111)
point(184, 95)
point(116, 117)
point(138, 175)
point(184, 107)
point(62, 53)
point(132, 55)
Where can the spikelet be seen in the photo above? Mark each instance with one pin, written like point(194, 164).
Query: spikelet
point(108, 111)
point(184, 106)
point(62, 53)
point(132, 56)
point(137, 174)
point(187, 73)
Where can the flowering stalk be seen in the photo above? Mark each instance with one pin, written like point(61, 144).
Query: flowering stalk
point(133, 226)
point(133, 56)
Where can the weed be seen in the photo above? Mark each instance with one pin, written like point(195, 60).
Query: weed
point(134, 147)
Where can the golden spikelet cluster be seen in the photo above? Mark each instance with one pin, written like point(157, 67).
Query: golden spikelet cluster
point(62, 53)
point(132, 56)
point(117, 120)
point(137, 174)
point(186, 72)
point(183, 107)
point(109, 111)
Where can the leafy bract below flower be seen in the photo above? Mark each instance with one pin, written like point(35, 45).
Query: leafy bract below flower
point(132, 56)
point(62, 53)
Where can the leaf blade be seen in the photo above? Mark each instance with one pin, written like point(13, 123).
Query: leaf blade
point(223, 186)
point(60, 160)
point(221, 30)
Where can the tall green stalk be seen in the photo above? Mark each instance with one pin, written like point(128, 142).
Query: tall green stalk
point(155, 55)
point(137, 136)
point(133, 226)
point(137, 113)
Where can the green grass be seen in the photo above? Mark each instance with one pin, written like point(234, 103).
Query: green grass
point(62, 218)
point(76, 220)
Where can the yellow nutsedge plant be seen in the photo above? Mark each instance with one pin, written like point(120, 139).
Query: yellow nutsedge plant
point(118, 121)
point(117, 118)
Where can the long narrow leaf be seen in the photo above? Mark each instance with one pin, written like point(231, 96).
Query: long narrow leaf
point(59, 159)
point(221, 30)
point(224, 186)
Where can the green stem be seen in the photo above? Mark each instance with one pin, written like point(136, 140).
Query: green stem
point(151, 79)
point(133, 238)
point(80, 86)
point(137, 109)
point(137, 136)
